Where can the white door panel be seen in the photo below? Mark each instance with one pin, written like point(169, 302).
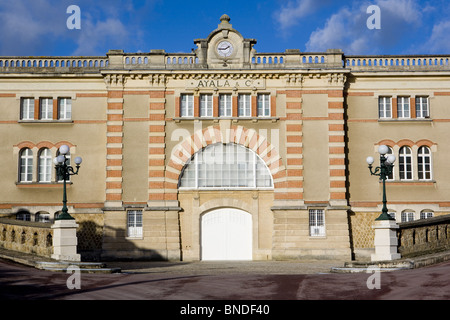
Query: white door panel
point(226, 234)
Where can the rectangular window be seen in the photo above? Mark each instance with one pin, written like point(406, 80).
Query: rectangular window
point(187, 105)
point(134, 226)
point(27, 109)
point(244, 105)
point(206, 105)
point(422, 110)
point(46, 109)
point(225, 105)
point(317, 222)
point(263, 105)
point(65, 109)
point(403, 110)
point(384, 107)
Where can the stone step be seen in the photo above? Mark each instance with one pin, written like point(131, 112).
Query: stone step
point(382, 266)
point(85, 267)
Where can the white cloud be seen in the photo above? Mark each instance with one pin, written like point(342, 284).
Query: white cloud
point(291, 14)
point(438, 42)
point(347, 29)
point(95, 36)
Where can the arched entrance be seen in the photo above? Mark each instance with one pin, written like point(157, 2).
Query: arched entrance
point(226, 234)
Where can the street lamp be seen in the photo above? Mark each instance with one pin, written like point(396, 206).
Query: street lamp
point(65, 171)
point(383, 171)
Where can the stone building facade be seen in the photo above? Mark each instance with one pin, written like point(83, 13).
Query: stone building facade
point(224, 153)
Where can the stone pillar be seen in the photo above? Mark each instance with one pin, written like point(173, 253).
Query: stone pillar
point(65, 240)
point(386, 242)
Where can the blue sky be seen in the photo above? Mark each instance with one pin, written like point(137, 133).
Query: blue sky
point(38, 27)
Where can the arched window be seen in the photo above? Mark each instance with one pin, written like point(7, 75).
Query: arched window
point(405, 163)
point(26, 165)
point(424, 163)
point(45, 165)
point(23, 215)
point(42, 216)
point(392, 175)
point(60, 178)
point(425, 214)
point(407, 216)
point(225, 166)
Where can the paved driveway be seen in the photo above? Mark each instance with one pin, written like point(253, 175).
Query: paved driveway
point(226, 281)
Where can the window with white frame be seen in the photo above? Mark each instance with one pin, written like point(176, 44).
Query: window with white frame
point(42, 217)
point(206, 105)
point(26, 165)
point(316, 222)
point(407, 216)
point(405, 163)
point(392, 174)
point(403, 110)
point(187, 105)
point(263, 105)
point(424, 163)
point(425, 214)
point(392, 214)
point(59, 177)
point(225, 105)
point(64, 108)
point(46, 109)
point(223, 166)
point(422, 107)
point(244, 105)
point(134, 223)
point(45, 165)
point(384, 107)
point(27, 109)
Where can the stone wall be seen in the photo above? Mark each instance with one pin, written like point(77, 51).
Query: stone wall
point(424, 236)
point(26, 236)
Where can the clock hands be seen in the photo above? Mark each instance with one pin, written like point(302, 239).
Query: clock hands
point(225, 48)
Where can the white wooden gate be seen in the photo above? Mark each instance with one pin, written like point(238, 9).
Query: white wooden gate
point(226, 234)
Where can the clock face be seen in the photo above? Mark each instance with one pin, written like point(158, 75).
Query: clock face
point(225, 49)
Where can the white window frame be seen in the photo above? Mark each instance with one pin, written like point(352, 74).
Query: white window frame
point(26, 165)
point(403, 108)
point(317, 222)
point(225, 105)
point(426, 214)
point(423, 160)
point(64, 108)
point(216, 167)
point(407, 216)
point(422, 107)
point(45, 165)
point(385, 107)
point(206, 105)
point(46, 109)
point(392, 176)
point(27, 109)
point(68, 158)
point(405, 160)
point(244, 105)
point(134, 224)
point(187, 105)
point(263, 101)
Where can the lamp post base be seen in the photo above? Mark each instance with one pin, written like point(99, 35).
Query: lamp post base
point(386, 241)
point(65, 240)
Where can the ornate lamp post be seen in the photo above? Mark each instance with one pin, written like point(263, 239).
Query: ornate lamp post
point(383, 171)
point(65, 171)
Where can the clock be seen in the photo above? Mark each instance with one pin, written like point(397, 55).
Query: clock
point(225, 49)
